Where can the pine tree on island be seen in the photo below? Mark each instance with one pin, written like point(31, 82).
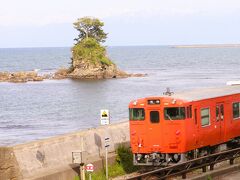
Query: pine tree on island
point(89, 57)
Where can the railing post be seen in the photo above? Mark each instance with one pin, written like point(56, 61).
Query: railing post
point(211, 167)
point(184, 175)
point(204, 169)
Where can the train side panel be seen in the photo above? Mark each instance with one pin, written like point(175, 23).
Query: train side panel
point(221, 126)
point(233, 123)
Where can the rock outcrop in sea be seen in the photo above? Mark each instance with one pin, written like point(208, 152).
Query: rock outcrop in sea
point(19, 77)
point(92, 72)
point(86, 70)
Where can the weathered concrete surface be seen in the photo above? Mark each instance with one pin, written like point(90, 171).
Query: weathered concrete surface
point(52, 158)
point(9, 169)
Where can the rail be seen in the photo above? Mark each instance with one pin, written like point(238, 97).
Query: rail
point(185, 167)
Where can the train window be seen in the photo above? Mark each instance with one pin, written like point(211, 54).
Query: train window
point(217, 113)
point(174, 113)
point(205, 116)
point(236, 110)
point(154, 116)
point(136, 114)
point(222, 109)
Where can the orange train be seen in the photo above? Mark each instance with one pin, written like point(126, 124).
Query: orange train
point(177, 127)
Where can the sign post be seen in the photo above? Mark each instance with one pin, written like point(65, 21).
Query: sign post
point(77, 158)
point(105, 117)
point(90, 168)
point(82, 170)
point(106, 156)
point(105, 120)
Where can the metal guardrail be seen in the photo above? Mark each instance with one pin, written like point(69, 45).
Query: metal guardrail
point(185, 167)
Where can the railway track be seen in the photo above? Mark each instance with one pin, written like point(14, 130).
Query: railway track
point(181, 169)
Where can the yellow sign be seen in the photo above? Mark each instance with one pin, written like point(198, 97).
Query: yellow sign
point(104, 114)
point(105, 117)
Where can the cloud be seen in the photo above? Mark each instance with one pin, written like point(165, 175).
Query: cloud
point(42, 12)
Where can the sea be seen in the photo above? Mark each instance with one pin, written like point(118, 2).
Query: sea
point(38, 110)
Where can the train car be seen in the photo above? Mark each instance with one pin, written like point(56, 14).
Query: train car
point(179, 127)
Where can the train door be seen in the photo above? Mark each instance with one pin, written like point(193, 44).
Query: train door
point(154, 129)
point(220, 122)
point(196, 122)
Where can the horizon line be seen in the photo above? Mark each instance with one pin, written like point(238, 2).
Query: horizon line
point(167, 45)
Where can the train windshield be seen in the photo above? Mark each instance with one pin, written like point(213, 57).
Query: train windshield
point(136, 114)
point(174, 113)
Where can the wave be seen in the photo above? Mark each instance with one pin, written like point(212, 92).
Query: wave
point(15, 127)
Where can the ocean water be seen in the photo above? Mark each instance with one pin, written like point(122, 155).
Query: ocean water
point(38, 110)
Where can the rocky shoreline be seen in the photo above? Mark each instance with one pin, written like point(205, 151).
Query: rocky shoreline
point(28, 76)
point(92, 71)
point(32, 76)
point(20, 77)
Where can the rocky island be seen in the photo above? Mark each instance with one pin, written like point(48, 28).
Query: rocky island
point(89, 58)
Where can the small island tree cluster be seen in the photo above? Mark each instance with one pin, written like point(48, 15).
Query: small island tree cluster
point(90, 28)
point(89, 58)
point(88, 48)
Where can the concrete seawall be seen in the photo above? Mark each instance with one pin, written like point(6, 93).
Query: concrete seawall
point(52, 158)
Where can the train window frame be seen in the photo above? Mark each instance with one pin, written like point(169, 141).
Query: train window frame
point(170, 119)
point(155, 121)
point(195, 116)
point(134, 119)
point(236, 118)
point(189, 112)
point(209, 116)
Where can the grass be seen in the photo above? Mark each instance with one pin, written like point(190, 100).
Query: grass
point(123, 165)
point(113, 171)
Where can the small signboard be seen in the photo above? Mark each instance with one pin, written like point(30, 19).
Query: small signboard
point(89, 167)
point(76, 157)
point(105, 117)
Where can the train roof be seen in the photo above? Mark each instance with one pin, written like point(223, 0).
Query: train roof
point(207, 93)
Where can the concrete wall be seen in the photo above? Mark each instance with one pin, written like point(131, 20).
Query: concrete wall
point(52, 158)
point(8, 165)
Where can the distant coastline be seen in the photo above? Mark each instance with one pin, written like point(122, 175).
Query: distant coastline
point(208, 46)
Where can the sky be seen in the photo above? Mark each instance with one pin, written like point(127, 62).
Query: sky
point(48, 23)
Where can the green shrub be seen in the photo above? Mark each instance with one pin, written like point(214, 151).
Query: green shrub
point(125, 159)
point(91, 51)
point(116, 170)
point(76, 178)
